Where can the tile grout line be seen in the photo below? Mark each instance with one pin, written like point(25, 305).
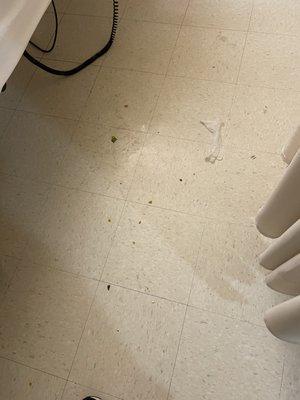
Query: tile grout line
point(147, 131)
point(167, 68)
point(245, 44)
point(92, 302)
point(3, 134)
point(79, 341)
point(74, 275)
point(90, 92)
point(217, 219)
point(9, 282)
point(236, 318)
point(52, 188)
point(137, 164)
point(291, 35)
point(248, 31)
point(234, 95)
point(235, 83)
point(257, 85)
point(235, 149)
point(123, 209)
point(126, 130)
point(35, 70)
point(144, 293)
point(100, 68)
point(97, 286)
point(205, 219)
point(233, 318)
point(128, 191)
point(185, 314)
point(186, 307)
point(43, 206)
point(31, 367)
point(242, 30)
point(177, 352)
point(281, 382)
point(154, 105)
point(26, 87)
point(142, 20)
point(196, 263)
point(226, 130)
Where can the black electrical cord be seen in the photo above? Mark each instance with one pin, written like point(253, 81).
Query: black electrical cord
point(55, 33)
point(91, 59)
point(91, 398)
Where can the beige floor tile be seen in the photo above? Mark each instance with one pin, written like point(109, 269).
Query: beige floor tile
point(95, 164)
point(17, 84)
point(220, 358)
point(134, 261)
point(167, 11)
point(75, 232)
point(184, 102)
point(224, 14)
point(143, 46)
point(22, 383)
point(100, 8)
point(80, 37)
point(5, 117)
point(21, 204)
point(124, 99)
point(226, 190)
point(34, 145)
point(290, 389)
point(43, 315)
point(8, 267)
point(59, 95)
point(280, 16)
point(263, 119)
point(193, 56)
point(74, 391)
point(278, 57)
point(228, 279)
point(129, 345)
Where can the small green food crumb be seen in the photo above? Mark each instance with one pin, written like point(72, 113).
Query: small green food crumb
point(150, 202)
point(114, 139)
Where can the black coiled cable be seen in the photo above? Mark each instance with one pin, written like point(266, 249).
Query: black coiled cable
point(87, 62)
